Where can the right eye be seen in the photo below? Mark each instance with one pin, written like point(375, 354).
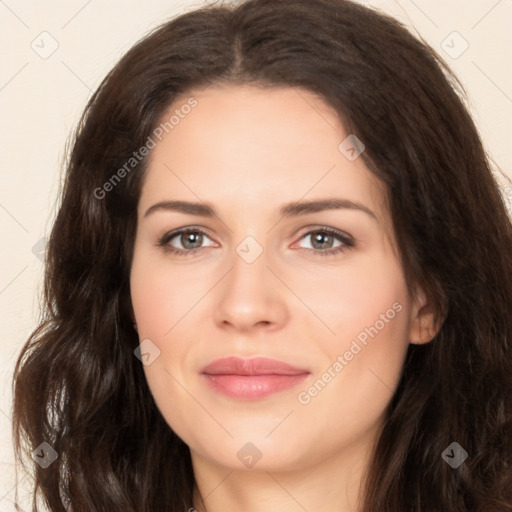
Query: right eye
point(184, 236)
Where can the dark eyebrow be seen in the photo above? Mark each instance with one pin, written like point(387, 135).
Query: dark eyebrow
point(305, 207)
point(200, 209)
point(288, 210)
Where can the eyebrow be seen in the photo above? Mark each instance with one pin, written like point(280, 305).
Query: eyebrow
point(287, 210)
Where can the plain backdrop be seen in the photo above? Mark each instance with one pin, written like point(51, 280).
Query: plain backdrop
point(55, 53)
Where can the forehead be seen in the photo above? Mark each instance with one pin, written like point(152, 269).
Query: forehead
point(255, 148)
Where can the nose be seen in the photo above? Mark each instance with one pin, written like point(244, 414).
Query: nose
point(250, 296)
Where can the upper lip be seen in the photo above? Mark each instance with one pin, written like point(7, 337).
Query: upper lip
point(254, 366)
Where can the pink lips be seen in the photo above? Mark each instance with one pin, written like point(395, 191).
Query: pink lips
point(251, 379)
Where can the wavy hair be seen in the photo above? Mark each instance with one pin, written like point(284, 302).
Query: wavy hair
point(77, 384)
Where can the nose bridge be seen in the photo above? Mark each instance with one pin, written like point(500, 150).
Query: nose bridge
point(250, 249)
point(248, 266)
point(248, 296)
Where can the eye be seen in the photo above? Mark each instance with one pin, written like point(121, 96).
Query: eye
point(189, 238)
point(323, 239)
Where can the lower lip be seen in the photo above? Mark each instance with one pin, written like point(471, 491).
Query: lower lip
point(252, 387)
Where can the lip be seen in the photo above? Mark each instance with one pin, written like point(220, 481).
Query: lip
point(251, 379)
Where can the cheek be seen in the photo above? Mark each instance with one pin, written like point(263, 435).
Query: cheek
point(372, 291)
point(159, 297)
point(153, 308)
point(159, 302)
point(368, 310)
point(372, 337)
point(362, 364)
point(375, 305)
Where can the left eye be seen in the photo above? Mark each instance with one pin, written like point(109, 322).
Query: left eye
point(323, 237)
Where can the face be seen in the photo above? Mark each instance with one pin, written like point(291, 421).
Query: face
point(318, 288)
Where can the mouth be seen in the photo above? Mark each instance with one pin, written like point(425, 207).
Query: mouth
point(251, 379)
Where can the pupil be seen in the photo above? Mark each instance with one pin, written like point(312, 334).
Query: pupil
point(190, 236)
point(321, 236)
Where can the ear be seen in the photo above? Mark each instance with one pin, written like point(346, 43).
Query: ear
point(422, 323)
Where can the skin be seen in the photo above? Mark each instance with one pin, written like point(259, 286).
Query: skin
point(247, 151)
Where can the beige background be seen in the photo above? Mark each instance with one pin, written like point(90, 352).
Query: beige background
point(41, 97)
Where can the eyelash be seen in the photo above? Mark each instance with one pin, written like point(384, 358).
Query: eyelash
point(347, 241)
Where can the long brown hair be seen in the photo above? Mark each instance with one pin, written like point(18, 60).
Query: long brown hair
point(77, 384)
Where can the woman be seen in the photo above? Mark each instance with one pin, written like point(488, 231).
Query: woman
point(369, 370)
